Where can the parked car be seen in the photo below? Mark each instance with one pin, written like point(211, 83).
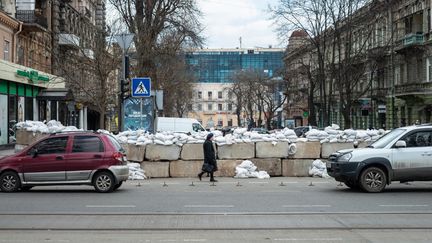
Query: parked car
point(301, 131)
point(404, 154)
point(176, 124)
point(72, 158)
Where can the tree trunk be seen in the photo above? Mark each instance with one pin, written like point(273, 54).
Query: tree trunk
point(312, 113)
point(101, 120)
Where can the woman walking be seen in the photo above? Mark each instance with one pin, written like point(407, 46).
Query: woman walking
point(210, 164)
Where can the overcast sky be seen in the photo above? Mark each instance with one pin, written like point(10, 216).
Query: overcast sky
point(225, 21)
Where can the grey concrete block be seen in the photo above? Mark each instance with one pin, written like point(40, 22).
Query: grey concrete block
point(268, 150)
point(328, 148)
point(20, 147)
point(296, 167)
point(307, 150)
point(192, 151)
point(227, 167)
point(156, 152)
point(135, 152)
point(181, 168)
point(273, 166)
point(237, 151)
point(156, 169)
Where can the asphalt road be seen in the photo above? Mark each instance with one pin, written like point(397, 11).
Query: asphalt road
point(231, 210)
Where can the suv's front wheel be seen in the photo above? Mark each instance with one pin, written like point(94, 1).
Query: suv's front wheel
point(373, 179)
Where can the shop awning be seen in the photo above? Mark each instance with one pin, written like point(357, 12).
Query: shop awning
point(55, 94)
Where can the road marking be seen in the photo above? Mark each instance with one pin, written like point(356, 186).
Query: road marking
point(208, 206)
point(407, 205)
point(110, 206)
point(309, 239)
point(306, 206)
point(258, 182)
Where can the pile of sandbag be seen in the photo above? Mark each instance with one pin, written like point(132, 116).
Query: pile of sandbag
point(52, 126)
point(248, 170)
point(135, 172)
point(332, 134)
point(319, 169)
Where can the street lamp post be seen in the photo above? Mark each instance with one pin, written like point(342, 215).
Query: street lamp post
point(124, 41)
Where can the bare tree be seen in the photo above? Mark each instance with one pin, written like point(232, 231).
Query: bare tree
point(151, 21)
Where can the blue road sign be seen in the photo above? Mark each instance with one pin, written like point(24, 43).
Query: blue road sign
point(141, 87)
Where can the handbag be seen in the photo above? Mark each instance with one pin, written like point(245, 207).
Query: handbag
point(207, 167)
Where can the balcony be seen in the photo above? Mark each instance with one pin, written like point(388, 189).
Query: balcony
point(413, 89)
point(410, 42)
point(69, 40)
point(33, 19)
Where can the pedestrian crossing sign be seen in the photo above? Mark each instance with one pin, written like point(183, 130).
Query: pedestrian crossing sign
point(141, 87)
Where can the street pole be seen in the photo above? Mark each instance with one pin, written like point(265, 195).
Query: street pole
point(124, 41)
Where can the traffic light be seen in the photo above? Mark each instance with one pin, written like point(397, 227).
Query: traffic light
point(125, 88)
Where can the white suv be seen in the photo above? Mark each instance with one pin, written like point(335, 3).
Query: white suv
point(404, 154)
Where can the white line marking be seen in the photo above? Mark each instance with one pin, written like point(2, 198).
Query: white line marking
point(309, 239)
point(258, 182)
point(306, 206)
point(110, 206)
point(194, 240)
point(208, 206)
point(407, 205)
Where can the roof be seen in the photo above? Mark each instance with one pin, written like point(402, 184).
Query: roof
point(298, 33)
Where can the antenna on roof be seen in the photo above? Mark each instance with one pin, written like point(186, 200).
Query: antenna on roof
point(240, 39)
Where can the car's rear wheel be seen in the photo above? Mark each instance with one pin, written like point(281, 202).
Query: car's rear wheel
point(104, 182)
point(373, 179)
point(9, 182)
point(118, 185)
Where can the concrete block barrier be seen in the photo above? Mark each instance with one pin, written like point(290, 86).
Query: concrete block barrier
point(237, 151)
point(192, 151)
point(156, 152)
point(135, 152)
point(273, 166)
point(268, 150)
point(156, 169)
point(296, 167)
point(182, 168)
point(328, 148)
point(307, 150)
point(227, 167)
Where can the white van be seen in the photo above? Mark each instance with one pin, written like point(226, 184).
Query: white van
point(174, 124)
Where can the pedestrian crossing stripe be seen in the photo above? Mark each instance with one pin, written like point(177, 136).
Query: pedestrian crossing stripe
point(141, 89)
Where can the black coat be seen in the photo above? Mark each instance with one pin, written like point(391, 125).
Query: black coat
point(209, 154)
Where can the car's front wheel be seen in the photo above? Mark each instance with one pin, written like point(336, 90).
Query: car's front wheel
point(9, 182)
point(104, 182)
point(373, 179)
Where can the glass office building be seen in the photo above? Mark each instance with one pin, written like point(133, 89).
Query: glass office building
point(218, 65)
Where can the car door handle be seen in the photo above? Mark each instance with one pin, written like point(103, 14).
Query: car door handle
point(59, 158)
point(97, 156)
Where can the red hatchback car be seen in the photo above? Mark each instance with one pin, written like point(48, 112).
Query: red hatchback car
point(71, 158)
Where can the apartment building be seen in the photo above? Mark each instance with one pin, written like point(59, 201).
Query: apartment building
point(394, 88)
point(214, 69)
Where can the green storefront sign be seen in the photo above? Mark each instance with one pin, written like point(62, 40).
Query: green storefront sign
point(305, 114)
point(33, 76)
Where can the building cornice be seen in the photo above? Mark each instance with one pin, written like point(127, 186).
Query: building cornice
point(9, 21)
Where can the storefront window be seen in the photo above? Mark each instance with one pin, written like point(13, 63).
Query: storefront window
point(12, 112)
point(28, 108)
point(42, 110)
point(53, 110)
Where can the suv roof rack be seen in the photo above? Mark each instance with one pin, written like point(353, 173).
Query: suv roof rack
point(66, 132)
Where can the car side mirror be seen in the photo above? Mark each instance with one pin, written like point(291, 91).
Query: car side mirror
point(400, 144)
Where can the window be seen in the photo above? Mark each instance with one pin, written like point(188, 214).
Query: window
point(6, 50)
point(210, 107)
point(230, 107)
point(210, 95)
point(230, 122)
point(220, 123)
point(199, 95)
point(52, 146)
point(199, 107)
point(220, 107)
point(28, 108)
point(220, 95)
point(84, 144)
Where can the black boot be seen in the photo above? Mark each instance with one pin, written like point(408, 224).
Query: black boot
point(200, 175)
point(212, 179)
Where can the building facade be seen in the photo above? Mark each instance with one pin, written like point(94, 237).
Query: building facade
point(214, 69)
point(395, 86)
